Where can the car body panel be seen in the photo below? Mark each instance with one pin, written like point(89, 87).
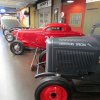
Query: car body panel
point(36, 37)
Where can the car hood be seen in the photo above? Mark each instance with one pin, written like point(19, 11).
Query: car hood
point(27, 31)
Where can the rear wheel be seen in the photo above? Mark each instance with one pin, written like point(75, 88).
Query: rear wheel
point(17, 47)
point(42, 58)
point(9, 37)
point(53, 88)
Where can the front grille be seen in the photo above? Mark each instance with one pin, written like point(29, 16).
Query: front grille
point(74, 59)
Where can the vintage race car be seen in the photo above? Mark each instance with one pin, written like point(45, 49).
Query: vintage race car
point(33, 38)
point(8, 33)
point(70, 62)
point(10, 30)
point(8, 25)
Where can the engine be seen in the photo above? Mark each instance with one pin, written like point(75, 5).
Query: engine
point(78, 55)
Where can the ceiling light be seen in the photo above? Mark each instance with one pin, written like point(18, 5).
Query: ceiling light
point(3, 10)
point(70, 1)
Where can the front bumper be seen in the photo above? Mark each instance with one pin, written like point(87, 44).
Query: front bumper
point(43, 74)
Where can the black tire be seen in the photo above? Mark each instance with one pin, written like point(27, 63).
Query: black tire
point(5, 33)
point(41, 56)
point(52, 81)
point(9, 37)
point(19, 45)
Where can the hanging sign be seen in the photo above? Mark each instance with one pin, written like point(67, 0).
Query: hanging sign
point(44, 4)
point(56, 15)
point(89, 1)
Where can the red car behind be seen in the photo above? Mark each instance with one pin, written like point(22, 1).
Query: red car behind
point(33, 38)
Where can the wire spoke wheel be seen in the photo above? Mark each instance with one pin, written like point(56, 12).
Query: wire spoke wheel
point(6, 32)
point(9, 37)
point(17, 47)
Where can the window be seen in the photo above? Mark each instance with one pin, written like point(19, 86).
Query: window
point(75, 19)
point(54, 29)
point(46, 17)
point(41, 18)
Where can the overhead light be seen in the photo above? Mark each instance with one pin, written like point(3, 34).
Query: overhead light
point(22, 4)
point(3, 10)
point(70, 1)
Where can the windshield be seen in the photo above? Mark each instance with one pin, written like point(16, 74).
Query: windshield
point(97, 30)
point(43, 26)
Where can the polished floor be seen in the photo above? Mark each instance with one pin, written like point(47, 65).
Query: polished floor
point(17, 81)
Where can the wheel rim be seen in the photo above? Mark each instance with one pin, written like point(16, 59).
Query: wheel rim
point(44, 59)
point(17, 48)
point(9, 37)
point(54, 92)
point(6, 32)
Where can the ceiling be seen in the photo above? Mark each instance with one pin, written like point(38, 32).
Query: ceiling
point(13, 5)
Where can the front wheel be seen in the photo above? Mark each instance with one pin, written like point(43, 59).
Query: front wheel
point(5, 32)
point(17, 47)
point(9, 37)
point(42, 58)
point(53, 88)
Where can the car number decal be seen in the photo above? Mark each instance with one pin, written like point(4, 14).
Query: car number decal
point(47, 37)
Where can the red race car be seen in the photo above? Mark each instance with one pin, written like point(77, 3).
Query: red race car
point(33, 38)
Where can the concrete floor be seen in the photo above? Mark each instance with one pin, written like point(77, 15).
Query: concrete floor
point(17, 81)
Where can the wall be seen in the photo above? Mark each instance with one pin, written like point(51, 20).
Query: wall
point(32, 16)
point(77, 7)
point(36, 19)
point(56, 4)
point(24, 20)
point(92, 16)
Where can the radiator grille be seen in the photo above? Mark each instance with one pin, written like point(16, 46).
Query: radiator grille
point(74, 59)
